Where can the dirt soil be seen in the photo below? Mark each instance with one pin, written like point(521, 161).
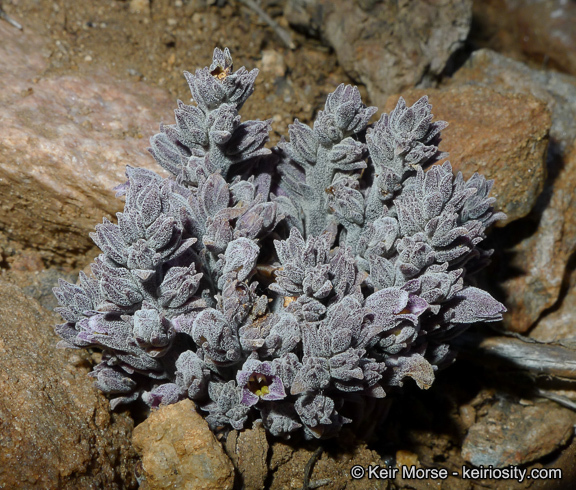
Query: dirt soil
point(156, 45)
point(159, 44)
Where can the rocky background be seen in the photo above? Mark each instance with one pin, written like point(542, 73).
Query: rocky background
point(85, 84)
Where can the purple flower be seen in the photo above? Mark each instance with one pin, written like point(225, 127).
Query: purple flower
point(258, 381)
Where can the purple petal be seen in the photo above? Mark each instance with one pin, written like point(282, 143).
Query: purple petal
point(277, 391)
point(249, 398)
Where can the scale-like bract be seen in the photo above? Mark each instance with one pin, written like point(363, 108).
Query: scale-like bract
point(283, 284)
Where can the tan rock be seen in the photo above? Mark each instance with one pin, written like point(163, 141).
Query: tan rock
point(65, 143)
point(502, 136)
point(248, 450)
point(178, 450)
point(289, 464)
point(140, 6)
point(490, 69)
point(542, 257)
point(559, 324)
point(532, 268)
point(273, 63)
point(55, 426)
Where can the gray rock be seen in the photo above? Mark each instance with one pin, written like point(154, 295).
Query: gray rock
point(387, 46)
point(540, 32)
point(39, 286)
point(514, 434)
point(56, 428)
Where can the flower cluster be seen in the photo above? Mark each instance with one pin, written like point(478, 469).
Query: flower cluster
point(282, 284)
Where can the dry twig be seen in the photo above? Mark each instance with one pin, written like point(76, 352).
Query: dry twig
point(309, 466)
point(7, 18)
point(283, 34)
point(553, 361)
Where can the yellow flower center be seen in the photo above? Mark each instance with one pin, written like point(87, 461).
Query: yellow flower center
point(259, 384)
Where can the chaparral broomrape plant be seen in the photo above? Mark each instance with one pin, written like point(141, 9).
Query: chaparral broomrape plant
point(281, 284)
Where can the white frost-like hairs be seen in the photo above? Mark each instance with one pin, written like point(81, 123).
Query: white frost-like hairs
point(282, 284)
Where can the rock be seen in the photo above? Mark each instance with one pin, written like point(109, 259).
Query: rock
point(387, 46)
point(248, 450)
point(478, 117)
point(25, 269)
point(539, 246)
point(407, 463)
point(329, 469)
point(39, 285)
point(178, 450)
point(55, 426)
point(558, 91)
point(559, 327)
point(565, 461)
point(542, 256)
point(540, 32)
point(140, 7)
point(559, 324)
point(514, 434)
point(273, 63)
point(306, 16)
point(65, 143)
